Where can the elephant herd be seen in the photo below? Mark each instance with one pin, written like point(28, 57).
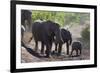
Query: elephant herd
point(49, 32)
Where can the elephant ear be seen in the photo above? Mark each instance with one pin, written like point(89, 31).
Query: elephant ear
point(26, 18)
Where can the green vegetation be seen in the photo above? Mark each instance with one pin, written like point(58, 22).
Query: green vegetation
point(86, 33)
point(66, 18)
point(63, 18)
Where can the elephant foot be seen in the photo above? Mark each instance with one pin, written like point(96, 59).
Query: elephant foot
point(58, 54)
point(67, 54)
point(53, 52)
point(42, 52)
point(47, 56)
point(70, 55)
point(74, 55)
point(77, 55)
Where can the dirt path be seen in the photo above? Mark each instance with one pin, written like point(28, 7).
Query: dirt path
point(27, 57)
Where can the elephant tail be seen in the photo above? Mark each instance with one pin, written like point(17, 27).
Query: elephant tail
point(70, 41)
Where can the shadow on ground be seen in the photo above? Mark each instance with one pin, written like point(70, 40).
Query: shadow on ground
point(32, 52)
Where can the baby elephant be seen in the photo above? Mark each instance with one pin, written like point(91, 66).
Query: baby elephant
point(77, 47)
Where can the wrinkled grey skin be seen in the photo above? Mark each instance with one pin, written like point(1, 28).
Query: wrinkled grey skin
point(44, 32)
point(67, 38)
point(76, 46)
point(25, 17)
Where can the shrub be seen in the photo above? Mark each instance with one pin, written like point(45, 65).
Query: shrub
point(86, 34)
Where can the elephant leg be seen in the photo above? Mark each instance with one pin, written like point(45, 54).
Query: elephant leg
point(67, 46)
point(80, 51)
point(36, 46)
point(50, 47)
point(59, 49)
point(42, 48)
point(77, 52)
point(56, 47)
point(72, 52)
point(47, 50)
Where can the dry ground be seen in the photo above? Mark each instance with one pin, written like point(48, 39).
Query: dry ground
point(28, 55)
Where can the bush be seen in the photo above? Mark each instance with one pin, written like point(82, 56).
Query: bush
point(86, 34)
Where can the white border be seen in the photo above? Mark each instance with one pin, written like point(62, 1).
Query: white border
point(20, 65)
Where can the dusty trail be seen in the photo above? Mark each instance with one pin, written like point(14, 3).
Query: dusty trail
point(27, 57)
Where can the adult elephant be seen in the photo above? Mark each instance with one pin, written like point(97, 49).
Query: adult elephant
point(26, 20)
point(67, 38)
point(44, 32)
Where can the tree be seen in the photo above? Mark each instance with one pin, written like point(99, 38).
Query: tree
point(63, 18)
